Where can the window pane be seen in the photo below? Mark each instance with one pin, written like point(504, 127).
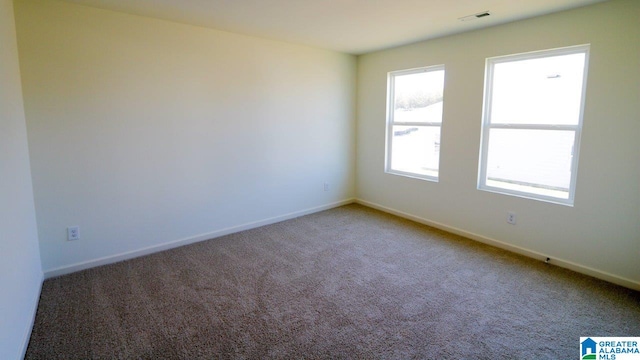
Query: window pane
point(534, 161)
point(416, 149)
point(538, 91)
point(418, 97)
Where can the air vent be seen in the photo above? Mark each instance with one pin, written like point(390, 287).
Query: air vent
point(475, 16)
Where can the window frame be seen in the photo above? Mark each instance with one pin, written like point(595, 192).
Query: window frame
point(487, 125)
point(391, 121)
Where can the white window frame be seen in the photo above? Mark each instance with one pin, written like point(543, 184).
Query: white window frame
point(391, 122)
point(487, 126)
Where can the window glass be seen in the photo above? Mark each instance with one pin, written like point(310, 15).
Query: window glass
point(538, 91)
point(415, 102)
point(532, 124)
point(534, 161)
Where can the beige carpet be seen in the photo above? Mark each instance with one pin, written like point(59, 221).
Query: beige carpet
point(345, 283)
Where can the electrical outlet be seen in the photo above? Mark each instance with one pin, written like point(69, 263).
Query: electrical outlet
point(73, 233)
point(326, 186)
point(511, 218)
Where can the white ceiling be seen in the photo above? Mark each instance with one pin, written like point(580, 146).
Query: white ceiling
point(351, 26)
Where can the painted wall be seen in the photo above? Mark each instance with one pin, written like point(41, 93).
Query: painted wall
point(601, 233)
point(145, 132)
point(20, 271)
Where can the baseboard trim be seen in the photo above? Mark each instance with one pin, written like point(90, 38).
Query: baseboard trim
point(29, 328)
point(63, 270)
point(628, 283)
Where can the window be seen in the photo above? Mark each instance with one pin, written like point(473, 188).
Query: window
point(532, 123)
point(414, 117)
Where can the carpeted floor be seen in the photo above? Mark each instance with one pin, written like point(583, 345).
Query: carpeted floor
point(350, 282)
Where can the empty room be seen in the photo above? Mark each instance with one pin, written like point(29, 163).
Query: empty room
point(319, 179)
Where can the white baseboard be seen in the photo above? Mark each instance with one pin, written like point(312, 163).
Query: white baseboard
point(631, 284)
point(63, 270)
point(483, 239)
point(29, 328)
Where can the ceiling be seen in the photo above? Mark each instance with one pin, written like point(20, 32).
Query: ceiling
point(350, 26)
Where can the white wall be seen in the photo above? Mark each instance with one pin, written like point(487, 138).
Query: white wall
point(600, 235)
point(145, 132)
point(20, 272)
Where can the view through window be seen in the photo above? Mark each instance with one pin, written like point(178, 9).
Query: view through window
point(414, 120)
point(532, 123)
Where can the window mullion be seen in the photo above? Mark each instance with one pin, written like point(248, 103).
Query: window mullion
point(417, 123)
point(534, 127)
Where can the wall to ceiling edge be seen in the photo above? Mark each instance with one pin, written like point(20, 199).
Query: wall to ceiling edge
point(600, 234)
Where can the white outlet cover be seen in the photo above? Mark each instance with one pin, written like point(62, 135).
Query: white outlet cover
point(73, 233)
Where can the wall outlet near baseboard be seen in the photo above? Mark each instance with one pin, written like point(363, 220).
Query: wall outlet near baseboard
point(326, 186)
point(511, 218)
point(73, 233)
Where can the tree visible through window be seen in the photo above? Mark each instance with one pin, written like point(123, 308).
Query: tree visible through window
point(415, 99)
point(532, 123)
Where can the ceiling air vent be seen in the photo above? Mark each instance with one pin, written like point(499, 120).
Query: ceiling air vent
point(475, 16)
